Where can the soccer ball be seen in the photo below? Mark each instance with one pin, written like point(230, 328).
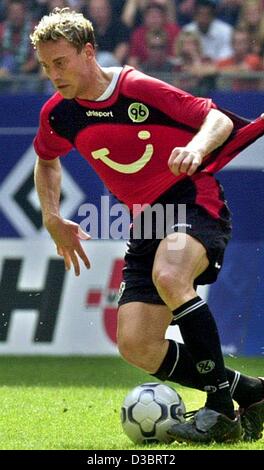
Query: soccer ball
point(149, 411)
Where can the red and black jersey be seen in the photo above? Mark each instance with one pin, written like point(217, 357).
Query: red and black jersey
point(129, 137)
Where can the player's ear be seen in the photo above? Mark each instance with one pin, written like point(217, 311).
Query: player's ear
point(89, 50)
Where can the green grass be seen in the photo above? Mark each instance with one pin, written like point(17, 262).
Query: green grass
point(74, 403)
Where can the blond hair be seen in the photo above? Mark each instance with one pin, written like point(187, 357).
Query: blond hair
point(64, 23)
point(180, 40)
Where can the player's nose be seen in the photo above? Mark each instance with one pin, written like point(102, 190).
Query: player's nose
point(55, 76)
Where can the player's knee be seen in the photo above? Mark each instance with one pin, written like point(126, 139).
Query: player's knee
point(128, 346)
point(133, 349)
point(170, 282)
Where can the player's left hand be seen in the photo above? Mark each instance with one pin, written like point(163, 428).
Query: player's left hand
point(183, 161)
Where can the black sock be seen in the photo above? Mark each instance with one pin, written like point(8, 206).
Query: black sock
point(200, 335)
point(178, 367)
point(245, 389)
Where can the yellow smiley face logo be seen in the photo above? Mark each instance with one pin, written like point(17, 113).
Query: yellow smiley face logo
point(129, 168)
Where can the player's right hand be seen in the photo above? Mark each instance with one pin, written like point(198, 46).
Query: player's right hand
point(182, 160)
point(67, 236)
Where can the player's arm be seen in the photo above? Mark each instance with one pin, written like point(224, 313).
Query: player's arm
point(214, 131)
point(66, 234)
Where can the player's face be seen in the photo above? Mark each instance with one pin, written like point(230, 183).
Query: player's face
point(68, 69)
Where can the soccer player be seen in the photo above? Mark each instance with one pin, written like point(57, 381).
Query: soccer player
point(156, 145)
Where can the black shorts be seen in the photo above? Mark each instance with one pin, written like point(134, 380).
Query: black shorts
point(213, 232)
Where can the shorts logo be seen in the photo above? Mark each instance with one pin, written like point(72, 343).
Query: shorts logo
point(138, 112)
point(206, 366)
point(181, 226)
point(121, 290)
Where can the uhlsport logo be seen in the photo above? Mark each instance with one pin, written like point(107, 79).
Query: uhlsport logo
point(100, 114)
point(138, 112)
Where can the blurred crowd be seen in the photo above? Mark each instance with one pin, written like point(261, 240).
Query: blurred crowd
point(196, 44)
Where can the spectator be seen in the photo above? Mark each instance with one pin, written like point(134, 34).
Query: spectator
point(185, 11)
point(16, 55)
point(252, 19)
point(197, 72)
point(111, 35)
point(242, 60)
point(215, 34)
point(51, 4)
point(155, 22)
point(157, 61)
point(229, 10)
point(3, 9)
point(38, 8)
point(117, 8)
point(133, 11)
point(77, 5)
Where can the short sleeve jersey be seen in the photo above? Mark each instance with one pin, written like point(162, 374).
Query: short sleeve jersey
point(128, 137)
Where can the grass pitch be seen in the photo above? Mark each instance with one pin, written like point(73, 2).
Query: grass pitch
point(74, 403)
